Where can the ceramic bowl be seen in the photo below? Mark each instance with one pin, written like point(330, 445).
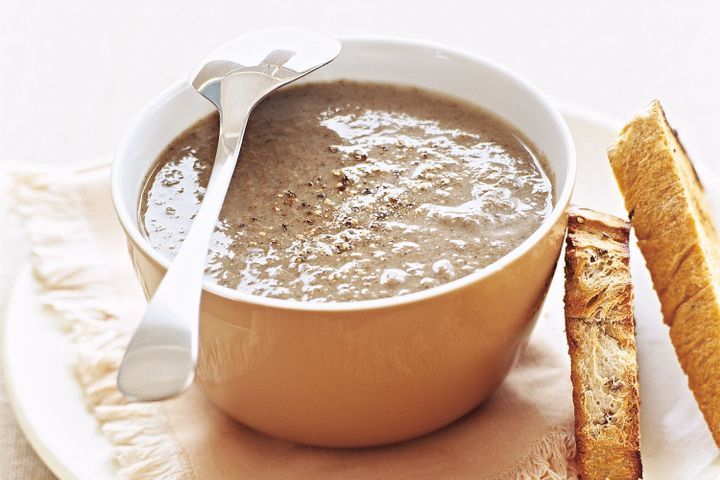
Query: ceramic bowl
point(377, 371)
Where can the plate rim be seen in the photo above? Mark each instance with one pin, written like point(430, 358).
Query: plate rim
point(39, 446)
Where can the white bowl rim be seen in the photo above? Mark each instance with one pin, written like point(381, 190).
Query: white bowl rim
point(557, 212)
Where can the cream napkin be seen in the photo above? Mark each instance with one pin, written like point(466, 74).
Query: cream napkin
point(524, 431)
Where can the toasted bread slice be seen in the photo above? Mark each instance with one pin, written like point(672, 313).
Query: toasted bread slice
point(679, 242)
point(600, 331)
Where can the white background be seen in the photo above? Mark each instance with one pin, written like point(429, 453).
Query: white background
point(73, 74)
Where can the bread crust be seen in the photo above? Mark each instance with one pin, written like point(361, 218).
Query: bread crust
point(600, 331)
point(677, 237)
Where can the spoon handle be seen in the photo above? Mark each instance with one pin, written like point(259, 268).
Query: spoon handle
point(160, 360)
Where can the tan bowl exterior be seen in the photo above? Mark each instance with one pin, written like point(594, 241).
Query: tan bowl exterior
point(367, 377)
point(378, 371)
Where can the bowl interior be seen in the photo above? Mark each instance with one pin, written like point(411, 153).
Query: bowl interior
point(407, 62)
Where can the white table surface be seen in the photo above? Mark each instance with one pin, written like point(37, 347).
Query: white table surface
point(73, 74)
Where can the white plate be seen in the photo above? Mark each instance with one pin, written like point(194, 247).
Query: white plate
point(49, 405)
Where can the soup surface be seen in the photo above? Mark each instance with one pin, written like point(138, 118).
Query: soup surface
point(352, 191)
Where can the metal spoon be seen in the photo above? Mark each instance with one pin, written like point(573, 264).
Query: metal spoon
point(160, 361)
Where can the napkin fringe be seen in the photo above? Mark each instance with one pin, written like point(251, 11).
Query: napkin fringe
point(550, 459)
point(66, 262)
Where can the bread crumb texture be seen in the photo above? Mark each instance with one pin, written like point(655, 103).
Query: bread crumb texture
point(676, 235)
point(601, 339)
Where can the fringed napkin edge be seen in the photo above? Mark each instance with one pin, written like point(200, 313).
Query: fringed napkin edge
point(65, 262)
